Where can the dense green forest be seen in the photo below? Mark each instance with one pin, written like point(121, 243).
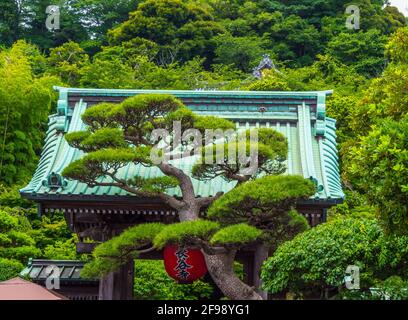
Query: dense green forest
point(215, 44)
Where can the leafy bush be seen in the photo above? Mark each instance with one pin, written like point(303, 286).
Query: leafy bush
point(62, 250)
point(23, 235)
point(9, 269)
point(316, 260)
point(25, 105)
point(380, 169)
point(153, 283)
point(393, 288)
point(7, 221)
point(10, 197)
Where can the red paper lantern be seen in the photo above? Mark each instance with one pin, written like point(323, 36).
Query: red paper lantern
point(184, 264)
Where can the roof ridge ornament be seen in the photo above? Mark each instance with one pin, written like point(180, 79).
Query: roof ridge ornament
point(266, 63)
point(54, 181)
point(320, 128)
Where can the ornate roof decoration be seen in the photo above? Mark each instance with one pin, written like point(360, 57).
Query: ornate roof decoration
point(266, 63)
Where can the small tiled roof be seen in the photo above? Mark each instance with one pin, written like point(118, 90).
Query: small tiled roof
point(300, 116)
point(19, 289)
point(40, 269)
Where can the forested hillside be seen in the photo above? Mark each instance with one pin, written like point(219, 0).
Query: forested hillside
point(215, 44)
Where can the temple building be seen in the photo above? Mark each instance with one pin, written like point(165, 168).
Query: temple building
point(96, 214)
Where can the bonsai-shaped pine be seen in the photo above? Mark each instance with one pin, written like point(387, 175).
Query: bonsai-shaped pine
point(122, 134)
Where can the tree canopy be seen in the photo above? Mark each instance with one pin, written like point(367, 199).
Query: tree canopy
point(126, 134)
point(313, 264)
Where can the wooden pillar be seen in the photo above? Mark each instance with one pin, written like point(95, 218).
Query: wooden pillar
point(118, 285)
point(252, 263)
point(248, 270)
point(261, 254)
point(324, 215)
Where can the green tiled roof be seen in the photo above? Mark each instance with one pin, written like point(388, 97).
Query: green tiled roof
point(39, 269)
point(300, 116)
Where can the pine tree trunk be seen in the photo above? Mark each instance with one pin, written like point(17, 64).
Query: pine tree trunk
point(221, 268)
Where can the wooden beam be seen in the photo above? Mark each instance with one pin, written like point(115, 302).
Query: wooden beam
point(83, 247)
point(248, 270)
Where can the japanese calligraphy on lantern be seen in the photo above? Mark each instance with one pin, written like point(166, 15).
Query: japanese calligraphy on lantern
point(182, 265)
